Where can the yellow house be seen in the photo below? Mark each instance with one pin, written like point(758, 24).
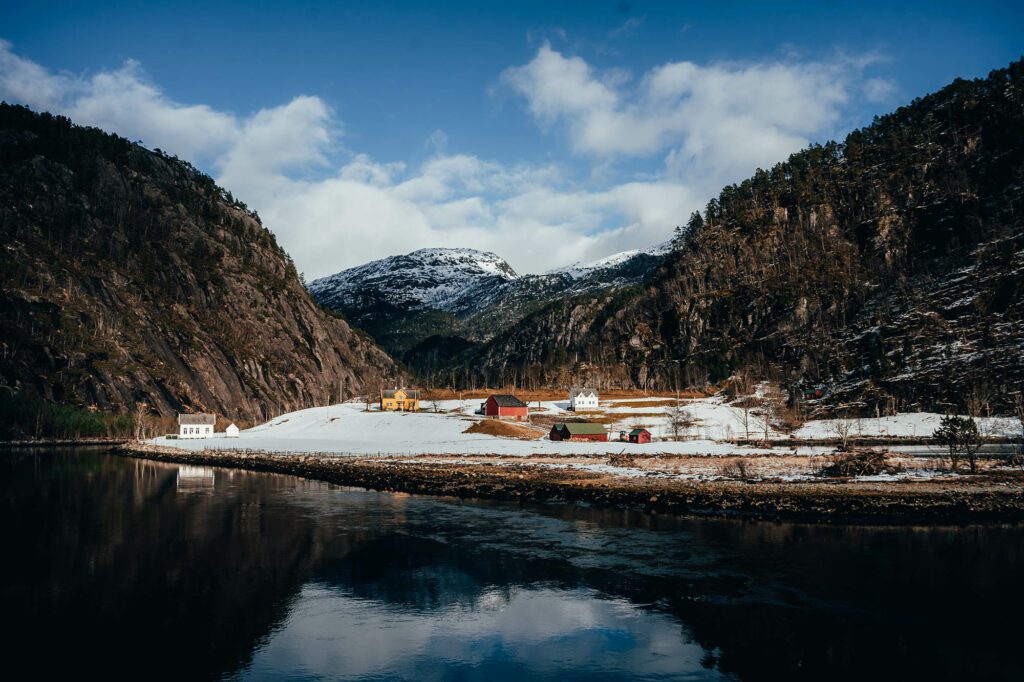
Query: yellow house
point(406, 399)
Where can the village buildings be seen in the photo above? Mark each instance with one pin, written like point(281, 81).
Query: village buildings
point(583, 399)
point(404, 399)
point(587, 431)
point(196, 425)
point(504, 406)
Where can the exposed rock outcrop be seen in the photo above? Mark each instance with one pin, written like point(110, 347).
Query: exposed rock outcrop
point(129, 277)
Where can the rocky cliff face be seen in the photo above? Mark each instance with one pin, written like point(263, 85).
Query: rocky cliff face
point(889, 268)
point(130, 277)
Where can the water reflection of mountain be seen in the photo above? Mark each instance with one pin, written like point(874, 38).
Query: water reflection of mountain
point(113, 568)
point(146, 577)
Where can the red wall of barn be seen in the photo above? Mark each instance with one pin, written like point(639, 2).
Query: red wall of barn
point(492, 410)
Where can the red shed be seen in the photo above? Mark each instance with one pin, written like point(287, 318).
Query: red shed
point(579, 431)
point(506, 406)
point(639, 436)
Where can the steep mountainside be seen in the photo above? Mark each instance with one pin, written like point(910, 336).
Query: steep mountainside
point(889, 268)
point(130, 277)
point(438, 302)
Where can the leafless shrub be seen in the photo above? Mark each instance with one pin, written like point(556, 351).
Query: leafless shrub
point(736, 469)
point(860, 462)
point(621, 459)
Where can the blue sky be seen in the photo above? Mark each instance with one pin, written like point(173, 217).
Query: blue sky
point(545, 132)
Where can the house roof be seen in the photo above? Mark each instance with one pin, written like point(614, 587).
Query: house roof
point(581, 428)
point(201, 419)
point(582, 391)
point(637, 432)
point(409, 393)
point(506, 400)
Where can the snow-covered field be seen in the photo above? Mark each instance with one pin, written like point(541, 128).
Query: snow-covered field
point(348, 429)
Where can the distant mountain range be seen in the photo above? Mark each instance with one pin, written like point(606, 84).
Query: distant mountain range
point(887, 270)
point(462, 296)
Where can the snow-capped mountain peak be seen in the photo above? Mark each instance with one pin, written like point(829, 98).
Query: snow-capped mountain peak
point(428, 278)
point(580, 269)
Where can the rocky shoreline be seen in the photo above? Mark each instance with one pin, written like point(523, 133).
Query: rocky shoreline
point(964, 500)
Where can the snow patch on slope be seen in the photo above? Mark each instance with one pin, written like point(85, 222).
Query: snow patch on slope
point(579, 269)
point(427, 278)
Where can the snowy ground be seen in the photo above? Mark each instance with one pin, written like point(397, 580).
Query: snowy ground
point(348, 429)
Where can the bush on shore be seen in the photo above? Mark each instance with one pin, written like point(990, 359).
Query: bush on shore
point(860, 462)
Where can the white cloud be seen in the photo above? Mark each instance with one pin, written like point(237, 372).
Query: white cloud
point(279, 160)
point(628, 27)
point(715, 123)
point(333, 208)
point(120, 101)
point(879, 89)
point(437, 142)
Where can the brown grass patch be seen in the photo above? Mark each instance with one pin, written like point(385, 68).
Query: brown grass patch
point(593, 417)
point(503, 429)
point(628, 416)
point(550, 394)
point(643, 403)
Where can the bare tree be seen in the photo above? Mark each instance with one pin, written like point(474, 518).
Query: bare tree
point(1018, 410)
point(679, 420)
point(742, 410)
point(840, 427)
point(772, 402)
point(139, 417)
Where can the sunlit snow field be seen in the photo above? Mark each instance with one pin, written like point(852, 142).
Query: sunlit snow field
point(348, 429)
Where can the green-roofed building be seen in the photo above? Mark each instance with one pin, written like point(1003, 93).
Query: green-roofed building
point(579, 431)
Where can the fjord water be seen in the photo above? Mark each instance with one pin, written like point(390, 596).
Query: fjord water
point(135, 568)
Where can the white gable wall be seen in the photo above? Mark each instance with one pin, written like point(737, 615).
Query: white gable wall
point(195, 431)
point(583, 401)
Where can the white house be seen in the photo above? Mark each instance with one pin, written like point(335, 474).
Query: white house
point(231, 431)
point(582, 399)
point(196, 425)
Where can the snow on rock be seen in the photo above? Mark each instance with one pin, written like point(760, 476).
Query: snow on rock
point(427, 278)
point(580, 270)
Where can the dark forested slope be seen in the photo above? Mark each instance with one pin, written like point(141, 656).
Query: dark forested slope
point(130, 277)
point(889, 267)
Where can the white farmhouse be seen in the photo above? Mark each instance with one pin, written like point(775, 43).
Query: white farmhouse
point(582, 399)
point(231, 431)
point(196, 425)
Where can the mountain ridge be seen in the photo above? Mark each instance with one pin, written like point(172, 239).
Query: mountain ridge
point(130, 277)
point(462, 295)
point(888, 268)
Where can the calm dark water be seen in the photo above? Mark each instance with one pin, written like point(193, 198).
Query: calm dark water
point(132, 568)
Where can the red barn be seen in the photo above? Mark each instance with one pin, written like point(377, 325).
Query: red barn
point(639, 436)
point(504, 406)
point(579, 431)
